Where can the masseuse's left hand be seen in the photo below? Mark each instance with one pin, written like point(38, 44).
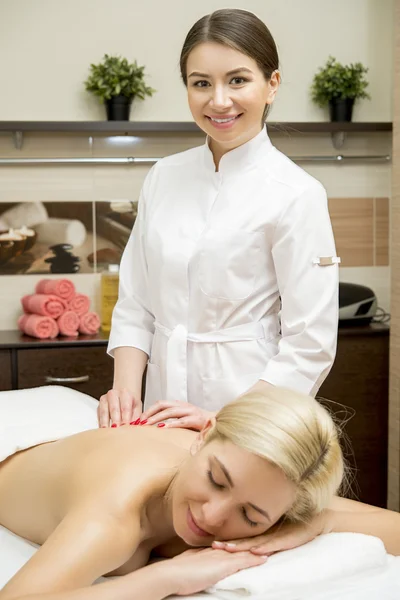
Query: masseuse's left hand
point(280, 537)
point(184, 414)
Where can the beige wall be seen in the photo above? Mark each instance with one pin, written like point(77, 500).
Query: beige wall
point(46, 47)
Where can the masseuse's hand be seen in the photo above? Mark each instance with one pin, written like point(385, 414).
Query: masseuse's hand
point(195, 570)
point(280, 537)
point(118, 407)
point(184, 414)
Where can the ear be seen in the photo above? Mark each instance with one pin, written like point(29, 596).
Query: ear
point(201, 436)
point(273, 85)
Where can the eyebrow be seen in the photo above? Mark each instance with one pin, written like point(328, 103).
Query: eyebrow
point(229, 479)
point(233, 72)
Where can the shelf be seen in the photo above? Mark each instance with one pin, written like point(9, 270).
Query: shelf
point(133, 127)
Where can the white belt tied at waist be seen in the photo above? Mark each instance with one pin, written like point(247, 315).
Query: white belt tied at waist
point(176, 359)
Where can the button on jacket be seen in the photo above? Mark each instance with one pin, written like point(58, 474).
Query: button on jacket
point(221, 281)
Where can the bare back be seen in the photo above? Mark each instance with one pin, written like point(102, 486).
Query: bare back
point(119, 467)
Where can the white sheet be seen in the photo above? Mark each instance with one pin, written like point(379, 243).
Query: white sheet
point(43, 414)
point(376, 584)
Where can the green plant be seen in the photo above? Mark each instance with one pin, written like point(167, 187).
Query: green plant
point(334, 81)
point(115, 76)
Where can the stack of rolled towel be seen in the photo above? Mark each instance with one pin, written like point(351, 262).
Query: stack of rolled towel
point(57, 309)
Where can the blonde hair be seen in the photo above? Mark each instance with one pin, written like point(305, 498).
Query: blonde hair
point(293, 432)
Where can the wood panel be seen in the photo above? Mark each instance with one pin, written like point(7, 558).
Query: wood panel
point(5, 370)
point(359, 381)
point(394, 396)
point(35, 365)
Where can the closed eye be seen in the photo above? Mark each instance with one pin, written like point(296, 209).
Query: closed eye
point(219, 486)
point(213, 482)
point(249, 521)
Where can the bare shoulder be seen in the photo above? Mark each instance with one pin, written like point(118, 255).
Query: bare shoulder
point(122, 463)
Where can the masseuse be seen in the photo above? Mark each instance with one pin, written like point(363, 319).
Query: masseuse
point(229, 280)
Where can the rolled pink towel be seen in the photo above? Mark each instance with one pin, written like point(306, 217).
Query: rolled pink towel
point(38, 326)
point(64, 288)
point(80, 304)
point(89, 323)
point(68, 323)
point(43, 304)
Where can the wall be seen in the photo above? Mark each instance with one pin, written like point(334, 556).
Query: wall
point(394, 399)
point(47, 45)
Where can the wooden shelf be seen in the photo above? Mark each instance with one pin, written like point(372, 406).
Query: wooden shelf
point(133, 127)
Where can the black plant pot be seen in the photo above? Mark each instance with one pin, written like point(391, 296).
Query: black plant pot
point(118, 108)
point(341, 109)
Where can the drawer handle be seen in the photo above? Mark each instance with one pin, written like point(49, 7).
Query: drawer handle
point(80, 379)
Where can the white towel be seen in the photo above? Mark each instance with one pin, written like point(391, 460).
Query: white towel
point(27, 213)
point(61, 231)
point(296, 574)
point(43, 414)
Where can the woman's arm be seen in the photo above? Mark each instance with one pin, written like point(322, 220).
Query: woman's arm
point(83, 548)
point(85, 545)
point(132, 327)
point(349, 515)
point(309, 293)
point(149, 583)
point(342, 516)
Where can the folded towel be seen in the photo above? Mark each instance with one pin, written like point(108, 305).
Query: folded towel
point(80, 303)
point(61, 231)
point(38, 326)
point(89, 323)
point(296, 573)
point(68, 323)
point(64, 288)
point(43, 304)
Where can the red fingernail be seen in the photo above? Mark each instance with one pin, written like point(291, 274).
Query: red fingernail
point(143, 422)
point(114, 425)
point(160, 424)
point(137, 421)
point(132, 423)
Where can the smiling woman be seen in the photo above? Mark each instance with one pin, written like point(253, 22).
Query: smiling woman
point(226, 250)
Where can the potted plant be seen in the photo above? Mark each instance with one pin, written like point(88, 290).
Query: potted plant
point(117, 82)
point(339, 86)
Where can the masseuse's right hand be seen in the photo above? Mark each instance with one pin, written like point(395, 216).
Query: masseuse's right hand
point(198, 569)
point(118, 407)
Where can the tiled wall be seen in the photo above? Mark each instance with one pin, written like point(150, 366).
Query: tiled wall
point(361, 228)
point(358, 201)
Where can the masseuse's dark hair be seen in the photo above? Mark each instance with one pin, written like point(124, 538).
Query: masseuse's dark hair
point(238, 29)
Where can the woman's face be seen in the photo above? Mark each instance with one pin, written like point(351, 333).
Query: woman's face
point(227, 94)
point(223, 493)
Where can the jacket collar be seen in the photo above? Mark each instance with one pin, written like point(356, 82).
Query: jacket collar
point(241, 157)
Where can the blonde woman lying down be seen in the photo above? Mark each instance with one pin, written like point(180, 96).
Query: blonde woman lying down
point(270, 458)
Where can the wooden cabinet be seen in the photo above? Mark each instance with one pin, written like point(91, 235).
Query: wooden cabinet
point(82, 364)
point(358, 382)
point(88, 370)
point(5, 370)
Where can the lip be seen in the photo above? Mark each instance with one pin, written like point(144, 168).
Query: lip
point(227, 125)
point(194, 527)
point(223, 116)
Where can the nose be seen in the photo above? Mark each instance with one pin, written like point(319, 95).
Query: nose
point(215, 513)
point(220, 98)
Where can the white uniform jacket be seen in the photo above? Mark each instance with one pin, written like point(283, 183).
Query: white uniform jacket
point(220, 283)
